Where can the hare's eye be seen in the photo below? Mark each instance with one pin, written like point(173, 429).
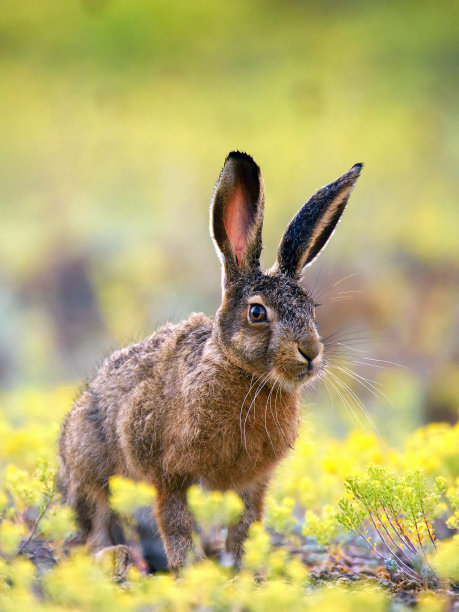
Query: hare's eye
point(257, 313)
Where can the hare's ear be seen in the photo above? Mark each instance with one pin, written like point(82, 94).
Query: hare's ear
point(236, 215)
point(311, 228)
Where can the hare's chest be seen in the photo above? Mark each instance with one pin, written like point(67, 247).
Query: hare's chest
point(246, 448)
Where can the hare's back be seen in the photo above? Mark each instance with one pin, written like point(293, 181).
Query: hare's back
point(156, 357)
point(134, 385)
point(142, 392)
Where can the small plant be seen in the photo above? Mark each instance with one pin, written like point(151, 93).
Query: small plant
point(280, 515)
point(323, 527)
point(26, 503)
point(398, 512)
point(126, 495)
point(452, 495)
point(214, 509)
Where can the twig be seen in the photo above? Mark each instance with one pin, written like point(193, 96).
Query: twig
point(35, 526)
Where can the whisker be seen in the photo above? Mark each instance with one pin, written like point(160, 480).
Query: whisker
point(328, 287)
point(345, 278)
point(366, 359)
point(343, 298)
point(312, 292)
point(243, 402)
point(343, 362)
point(400, 365)
point(345, 387)
point(350, 338)
point(352, 348)
point(363, 363)
point(357, 341)
point(278, 392)
point(345, 332)
point(365, 382)
point(266, 426)
point(266, 376)
point(351, 395)
point(340, 395)
point(324, 378)
point(372, 383)
point(345, 401)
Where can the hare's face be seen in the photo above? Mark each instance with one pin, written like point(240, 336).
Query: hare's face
point(266, 321)
point(268, 328)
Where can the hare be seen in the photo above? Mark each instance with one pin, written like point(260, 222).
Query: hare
point(214, 402)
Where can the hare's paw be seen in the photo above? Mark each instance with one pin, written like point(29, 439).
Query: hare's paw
point(117, 559)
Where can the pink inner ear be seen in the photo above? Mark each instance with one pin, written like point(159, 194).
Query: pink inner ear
point(237, 222)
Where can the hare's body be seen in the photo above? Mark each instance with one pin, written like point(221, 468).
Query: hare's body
point(194, 419)
point(209, 402)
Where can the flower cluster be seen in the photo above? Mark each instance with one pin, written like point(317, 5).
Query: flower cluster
point(394, 508)
point(398, 511)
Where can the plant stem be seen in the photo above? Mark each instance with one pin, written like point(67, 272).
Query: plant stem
point(406, 569)
point(373, 548)
point(419, 537)
point(408, 539)
point(401, 550)
point(404, 538)
point(35, 526)
point(427, 526)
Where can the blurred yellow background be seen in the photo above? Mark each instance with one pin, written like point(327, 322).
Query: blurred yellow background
point(115, 119)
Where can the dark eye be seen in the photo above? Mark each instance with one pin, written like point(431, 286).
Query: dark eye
point(257, 313)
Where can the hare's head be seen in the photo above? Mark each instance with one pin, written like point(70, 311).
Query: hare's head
point(266, 323)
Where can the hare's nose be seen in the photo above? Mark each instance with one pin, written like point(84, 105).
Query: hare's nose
point(309, 352)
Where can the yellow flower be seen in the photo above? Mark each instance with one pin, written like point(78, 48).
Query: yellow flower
point(127, 495)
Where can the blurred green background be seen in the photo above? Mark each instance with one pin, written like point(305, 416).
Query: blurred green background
point(115, 119)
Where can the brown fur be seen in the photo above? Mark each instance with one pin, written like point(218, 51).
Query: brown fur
point(209, 402)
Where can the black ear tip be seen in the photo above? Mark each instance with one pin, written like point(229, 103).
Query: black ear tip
point(240, 155)
point(357, 167)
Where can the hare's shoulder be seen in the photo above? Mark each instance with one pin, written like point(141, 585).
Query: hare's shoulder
point(188, 334)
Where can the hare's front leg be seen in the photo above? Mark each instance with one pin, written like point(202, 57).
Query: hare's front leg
point(175, 524)
point(237, 533)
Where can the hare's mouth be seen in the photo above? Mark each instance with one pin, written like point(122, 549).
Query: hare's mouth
point(311, 371)
point(295, 372)
point(307, 375)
